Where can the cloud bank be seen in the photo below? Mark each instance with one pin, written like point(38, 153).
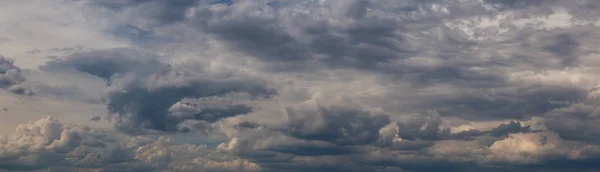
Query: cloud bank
point(323, 85)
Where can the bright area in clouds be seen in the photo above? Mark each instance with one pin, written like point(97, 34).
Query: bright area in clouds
point(52, 28)
point(312, 85)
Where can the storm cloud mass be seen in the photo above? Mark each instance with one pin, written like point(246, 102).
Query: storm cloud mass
point(310, 85)
point(11, 77)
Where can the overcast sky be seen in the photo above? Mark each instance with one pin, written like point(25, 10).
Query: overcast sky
point(307, 85)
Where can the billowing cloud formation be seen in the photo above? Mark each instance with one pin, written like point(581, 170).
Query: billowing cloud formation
point(141, 89)
point(11, 78)
point(337, 124)
point(358, 85)
point(49, 143)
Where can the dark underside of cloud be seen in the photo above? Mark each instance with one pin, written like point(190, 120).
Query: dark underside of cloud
point(140, 89)
point(324, 85)
point(11, 78)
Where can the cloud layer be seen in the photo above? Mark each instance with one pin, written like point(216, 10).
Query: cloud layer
point(47, 143)
point(323, 85)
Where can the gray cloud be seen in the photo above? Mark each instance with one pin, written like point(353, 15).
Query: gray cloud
point(506, 84)
point(422, 131)
point(163, 12)
point(311, 131)
point(522, 104)
point(11, 78)
point(141, 89)
point(515, 3)
point(106, 63)
point(575, 122)
point(208, 111)
point(246, 124)
point(336, 124)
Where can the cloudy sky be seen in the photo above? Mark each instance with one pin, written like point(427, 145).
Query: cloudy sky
point(308, 85)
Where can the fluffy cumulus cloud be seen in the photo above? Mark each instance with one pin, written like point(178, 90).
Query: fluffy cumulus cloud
point(319, 85)
point(48, 144)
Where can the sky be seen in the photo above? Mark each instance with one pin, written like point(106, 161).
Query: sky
point(307, 85)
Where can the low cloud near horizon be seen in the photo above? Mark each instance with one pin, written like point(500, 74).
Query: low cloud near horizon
point(311, 85)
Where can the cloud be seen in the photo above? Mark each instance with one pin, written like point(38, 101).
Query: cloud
point(339, 125)
point(210, 111)
point(575, 122)
point(323, 85)
point(140, 89)
point(11, 78)
point(106, 63)
point(163, 12)
point(48, 143)
point(314, 131)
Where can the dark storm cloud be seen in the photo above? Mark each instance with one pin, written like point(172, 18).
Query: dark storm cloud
point(258, 35)
point(576, 121)
point(10, 73)
point(321, 136)
point(149, 108)
point(141, 89)
point(362, 44)
point(11, 77)
point(524, 103)
point(359, 40)
point(338, 125)
point(373, 44)
point(354, 40)
point(465, 60)
point(538, 52)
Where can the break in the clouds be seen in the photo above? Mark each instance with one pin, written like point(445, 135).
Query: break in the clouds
point(320, 85)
